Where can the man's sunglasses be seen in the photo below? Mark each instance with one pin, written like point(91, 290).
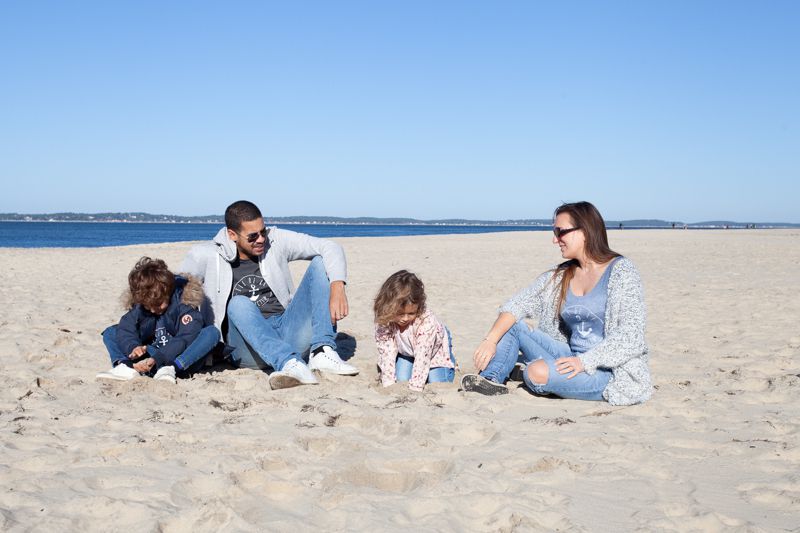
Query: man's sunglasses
point(253, 237)
point(560, 232)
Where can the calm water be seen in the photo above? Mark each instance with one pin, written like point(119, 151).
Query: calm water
point(95, 234)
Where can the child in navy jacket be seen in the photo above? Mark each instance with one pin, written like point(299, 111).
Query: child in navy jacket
point(163, 329)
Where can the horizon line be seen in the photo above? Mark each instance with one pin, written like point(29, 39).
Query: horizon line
point(125, 216)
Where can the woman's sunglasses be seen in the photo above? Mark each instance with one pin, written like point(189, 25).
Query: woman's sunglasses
point(560, 232)
point(253, 237)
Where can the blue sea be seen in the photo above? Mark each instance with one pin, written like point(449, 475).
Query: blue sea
point(97, 234)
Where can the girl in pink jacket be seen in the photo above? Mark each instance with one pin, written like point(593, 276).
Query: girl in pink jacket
point(413, 345)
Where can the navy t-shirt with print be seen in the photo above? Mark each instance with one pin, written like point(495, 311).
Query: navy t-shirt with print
point(248, 281)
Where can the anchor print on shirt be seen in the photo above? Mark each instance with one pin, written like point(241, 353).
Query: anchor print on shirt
point(161, 337)
point(582, 331)
point(589, 326)
point(254, 287)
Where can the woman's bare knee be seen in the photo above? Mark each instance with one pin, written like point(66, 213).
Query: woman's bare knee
point(538, 372)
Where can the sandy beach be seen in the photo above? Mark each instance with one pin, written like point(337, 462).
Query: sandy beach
point(715, 449)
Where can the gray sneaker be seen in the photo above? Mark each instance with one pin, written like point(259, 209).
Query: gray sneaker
point(292, 374)
point(481, 385)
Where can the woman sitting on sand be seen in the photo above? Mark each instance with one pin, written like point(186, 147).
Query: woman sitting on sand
point(589, 343)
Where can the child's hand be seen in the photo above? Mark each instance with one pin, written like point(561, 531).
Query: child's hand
point(138, 352)
point(145, 366)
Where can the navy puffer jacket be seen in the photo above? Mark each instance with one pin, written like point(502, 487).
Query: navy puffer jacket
point(168, 335)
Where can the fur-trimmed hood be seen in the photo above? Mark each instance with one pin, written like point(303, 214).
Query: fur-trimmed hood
point(192, 291)
point(188, 289)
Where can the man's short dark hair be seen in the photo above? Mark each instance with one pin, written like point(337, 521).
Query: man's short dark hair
point(241, 211)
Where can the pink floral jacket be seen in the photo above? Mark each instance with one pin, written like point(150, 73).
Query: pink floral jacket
point(431, 349)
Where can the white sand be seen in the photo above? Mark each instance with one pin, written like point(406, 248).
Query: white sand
point(715, 449)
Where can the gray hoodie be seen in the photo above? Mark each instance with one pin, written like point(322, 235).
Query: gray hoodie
point(211, 262)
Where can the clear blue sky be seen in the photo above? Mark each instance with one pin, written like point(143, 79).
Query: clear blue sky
point(680, 110)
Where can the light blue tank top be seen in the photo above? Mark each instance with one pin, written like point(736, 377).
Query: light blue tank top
point(585, 315)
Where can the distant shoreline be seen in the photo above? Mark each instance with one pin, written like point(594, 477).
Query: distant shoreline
point(18, 234)
point(146, 218)
point(426, 224)
point(279, 222)
point(611, 225)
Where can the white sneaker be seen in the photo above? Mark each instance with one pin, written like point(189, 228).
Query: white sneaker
point(120, 372)
point(292, 374)
point(166, 373)
point(327, 360)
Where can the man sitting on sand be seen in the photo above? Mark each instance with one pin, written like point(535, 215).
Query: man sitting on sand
point(270, 325)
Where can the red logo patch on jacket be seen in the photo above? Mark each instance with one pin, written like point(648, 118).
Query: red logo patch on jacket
point(186, 319)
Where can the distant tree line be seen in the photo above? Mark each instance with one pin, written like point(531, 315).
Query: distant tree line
point(219, 219)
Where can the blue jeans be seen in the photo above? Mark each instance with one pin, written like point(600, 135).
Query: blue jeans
point(438, 374)
point(534, 345)
point(304, 326)
point(191, 359)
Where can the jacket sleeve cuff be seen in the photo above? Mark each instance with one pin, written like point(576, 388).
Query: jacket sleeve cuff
point(161, 359)
point(517, 312)
point(589, 363)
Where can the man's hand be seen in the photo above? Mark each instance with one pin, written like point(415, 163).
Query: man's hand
point(338, 302)
point(137, 352)
point(144, 366)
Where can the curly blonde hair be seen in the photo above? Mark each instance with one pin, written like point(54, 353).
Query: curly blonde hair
point(399, 290)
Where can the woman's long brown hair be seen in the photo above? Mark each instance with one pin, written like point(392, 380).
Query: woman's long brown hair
point(586, 217)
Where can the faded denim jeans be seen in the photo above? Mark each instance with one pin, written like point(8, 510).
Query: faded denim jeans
point(522, 344)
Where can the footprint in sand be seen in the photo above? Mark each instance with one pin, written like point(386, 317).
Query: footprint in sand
point(778, 496)
point(122, 485)
point(199, 489)
point(209, 515)
point(391, 476)
point(380, 428)
point(389, 429)
point(265, 483)
point(273, 464)
point(473, 435)
point(319, 446)
point(549, 464)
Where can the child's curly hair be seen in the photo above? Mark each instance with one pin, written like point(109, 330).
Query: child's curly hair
point(151, 283)
point(399, 290)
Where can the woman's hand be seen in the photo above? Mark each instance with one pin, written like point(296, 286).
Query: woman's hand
point(569, 365)
point(145, 365)
point(488, 346)
point(484, 354)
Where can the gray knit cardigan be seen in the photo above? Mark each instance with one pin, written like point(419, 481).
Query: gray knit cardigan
point(623, 349)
